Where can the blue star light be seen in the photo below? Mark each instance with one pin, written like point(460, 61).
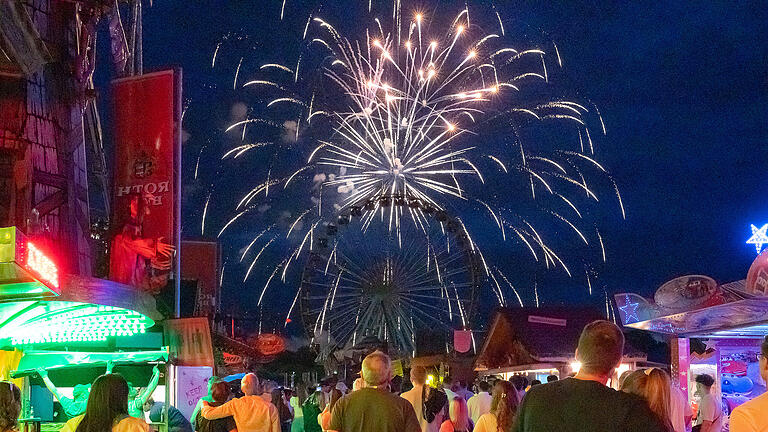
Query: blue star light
point(759, 237)
point(630, 310)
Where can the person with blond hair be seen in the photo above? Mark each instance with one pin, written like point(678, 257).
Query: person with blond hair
point(458, 416)
point(251, 412)
point(653, 385)
point(374, 408)
point(504, 403)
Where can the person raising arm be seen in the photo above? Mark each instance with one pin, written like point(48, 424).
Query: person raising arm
point(136, 403)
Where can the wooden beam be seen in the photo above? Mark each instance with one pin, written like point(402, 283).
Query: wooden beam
point(48, 179)
point(51, 202)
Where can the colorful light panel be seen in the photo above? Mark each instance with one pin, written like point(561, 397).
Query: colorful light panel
point(46, 322)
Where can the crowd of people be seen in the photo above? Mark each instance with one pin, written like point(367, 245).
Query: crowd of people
point(646, 401)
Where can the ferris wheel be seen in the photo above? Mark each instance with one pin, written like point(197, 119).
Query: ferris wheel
point(365, 278)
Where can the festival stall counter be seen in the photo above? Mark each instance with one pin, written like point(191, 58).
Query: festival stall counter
point(62, 331)
point(713, 329)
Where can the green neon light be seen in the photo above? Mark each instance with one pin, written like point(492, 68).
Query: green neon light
point(46, 322)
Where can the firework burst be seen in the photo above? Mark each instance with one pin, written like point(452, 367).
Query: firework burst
point(398, 122)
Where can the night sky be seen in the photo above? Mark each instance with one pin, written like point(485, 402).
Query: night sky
point(681, 86)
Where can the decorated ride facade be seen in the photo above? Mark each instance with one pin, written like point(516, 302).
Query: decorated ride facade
point(712, 328)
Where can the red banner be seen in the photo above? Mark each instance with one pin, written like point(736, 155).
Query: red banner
point(462, 340)
point(144, 187)
point(144, 149)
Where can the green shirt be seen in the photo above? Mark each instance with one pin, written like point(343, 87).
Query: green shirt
point(73, 408)
point(311, 411)
point(136, 408)
point(373, 410)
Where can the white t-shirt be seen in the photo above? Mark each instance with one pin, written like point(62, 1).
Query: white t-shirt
point(414, 396)
point(710, 410)
point(478, 405)
point(751, 416)
point(677, 409)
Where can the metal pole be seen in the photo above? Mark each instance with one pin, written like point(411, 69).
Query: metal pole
point(139, 42)
point(179, 107)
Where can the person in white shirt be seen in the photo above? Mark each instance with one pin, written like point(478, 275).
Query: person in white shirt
point(752, 416)
point(678, 407)
point(416, 397)
point(480, 403)
point(710, 414)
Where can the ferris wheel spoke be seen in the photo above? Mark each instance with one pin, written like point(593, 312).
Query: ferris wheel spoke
point(337, 269)
point(342, 312)
point(425, 305)
point(431, 319)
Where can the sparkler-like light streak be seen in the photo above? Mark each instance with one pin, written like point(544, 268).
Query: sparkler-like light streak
point(405, 121)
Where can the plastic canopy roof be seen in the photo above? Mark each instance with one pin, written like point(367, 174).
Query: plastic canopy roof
point(88, 309)
point(51, 360)
point(738, 314)
point(32, 322)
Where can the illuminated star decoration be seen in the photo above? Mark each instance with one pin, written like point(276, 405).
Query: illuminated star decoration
point(759, 237)
point(630, 311)
point(711, 344)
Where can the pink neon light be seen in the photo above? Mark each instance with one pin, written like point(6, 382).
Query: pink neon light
point(42, 265)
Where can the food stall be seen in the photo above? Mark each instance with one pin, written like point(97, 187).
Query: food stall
point(71, 326)
point(713, 329)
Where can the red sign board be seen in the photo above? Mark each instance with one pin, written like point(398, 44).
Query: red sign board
point(145, 199)
point(143, 110)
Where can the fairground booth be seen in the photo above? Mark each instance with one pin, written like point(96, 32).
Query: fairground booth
point(59, 332)
point(538, 342)
point(713, 329)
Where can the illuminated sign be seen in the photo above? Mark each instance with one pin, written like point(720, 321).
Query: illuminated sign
point(26, 271)
point(759, 237)
point(40, 264)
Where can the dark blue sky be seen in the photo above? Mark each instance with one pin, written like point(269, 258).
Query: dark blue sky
point(682, 87)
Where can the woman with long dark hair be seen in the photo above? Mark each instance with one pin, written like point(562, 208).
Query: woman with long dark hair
point(10, 406)
point(107, 408)
point(283, 410)
point(504, 404)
